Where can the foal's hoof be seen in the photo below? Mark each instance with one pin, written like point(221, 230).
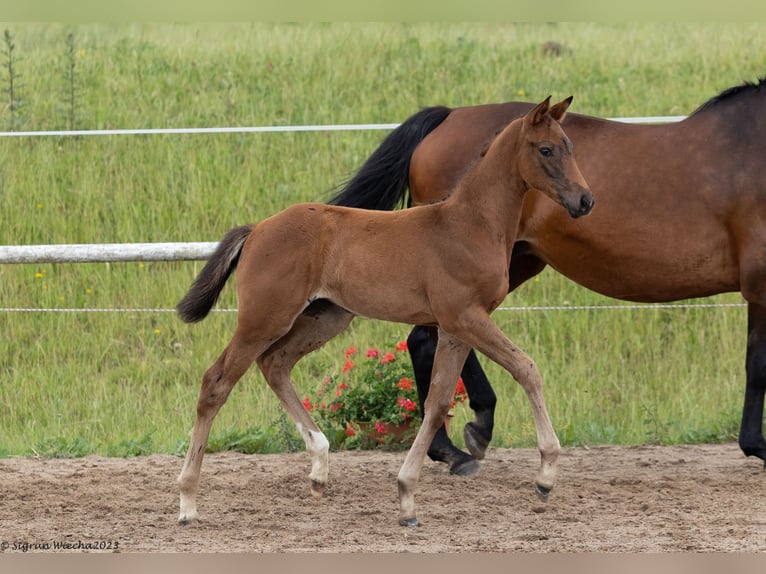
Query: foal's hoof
point(466, 467)
point(474, 441)
point(409, 521)
point(317, 488)
point(188, 516)
point(542, 492)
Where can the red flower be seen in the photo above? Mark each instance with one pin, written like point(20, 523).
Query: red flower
point(350, 431)
point(372, 353)
point(460, 389)
point(350, 351)
point(348, 365)
point(406, 404)
point(405, 383)
point(401, 346)
point(388, 357)
point(380, 427)
point(307, 403)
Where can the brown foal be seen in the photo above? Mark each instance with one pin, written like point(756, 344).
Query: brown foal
point(304, 273)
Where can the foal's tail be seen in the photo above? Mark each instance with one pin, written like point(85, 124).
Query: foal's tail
point(382, 181)
point(206, 288)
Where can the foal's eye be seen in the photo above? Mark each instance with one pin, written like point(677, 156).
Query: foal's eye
point(546, 151)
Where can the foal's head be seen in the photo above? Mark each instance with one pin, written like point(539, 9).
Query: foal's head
point(546, 159)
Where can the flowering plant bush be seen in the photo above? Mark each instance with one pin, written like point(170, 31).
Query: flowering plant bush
point(371, 399)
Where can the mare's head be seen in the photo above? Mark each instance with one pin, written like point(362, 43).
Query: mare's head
point(546, 159)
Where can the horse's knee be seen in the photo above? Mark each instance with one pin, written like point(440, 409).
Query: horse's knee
point(755, 368)
point(527, 374)
point(214, 390)
point(438, 407)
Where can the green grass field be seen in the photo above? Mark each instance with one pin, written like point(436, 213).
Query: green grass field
point(126, 383)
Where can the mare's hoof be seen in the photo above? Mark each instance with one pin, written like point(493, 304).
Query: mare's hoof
point(467, 467)
point(542, 492)
point(409, 522)
point(317, 488)
point(474, 441)
point(187, 521)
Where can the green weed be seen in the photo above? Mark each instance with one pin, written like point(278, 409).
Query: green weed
point(60, 447)
point(249, 440)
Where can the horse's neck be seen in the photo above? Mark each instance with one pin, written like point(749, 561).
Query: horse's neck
point(491, 194)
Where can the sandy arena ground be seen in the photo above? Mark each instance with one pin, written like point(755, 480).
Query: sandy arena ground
point(607, 499)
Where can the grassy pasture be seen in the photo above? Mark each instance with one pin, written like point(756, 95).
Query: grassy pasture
point(126, 383)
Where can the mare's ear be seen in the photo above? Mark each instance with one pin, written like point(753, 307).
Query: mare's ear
point(536, 115)
point(559, 110)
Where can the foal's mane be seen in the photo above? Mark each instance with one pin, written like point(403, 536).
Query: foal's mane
point(730, 93)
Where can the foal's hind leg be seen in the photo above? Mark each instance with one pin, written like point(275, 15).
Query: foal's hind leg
point(217, 383)
point(319, 323)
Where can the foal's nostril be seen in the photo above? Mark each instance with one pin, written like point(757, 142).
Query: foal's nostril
point(581, 207)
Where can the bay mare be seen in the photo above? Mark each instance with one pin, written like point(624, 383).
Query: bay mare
point(304, 273)
point(681, 214)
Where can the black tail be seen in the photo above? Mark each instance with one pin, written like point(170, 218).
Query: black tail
point(206, 288)
point(382, 181)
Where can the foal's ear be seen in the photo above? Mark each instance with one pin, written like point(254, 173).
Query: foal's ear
point(559, 110)
point(536, 115)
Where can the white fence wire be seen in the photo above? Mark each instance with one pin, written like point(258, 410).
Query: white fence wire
point(272, 129)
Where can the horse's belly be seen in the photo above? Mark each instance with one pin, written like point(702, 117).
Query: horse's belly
point(650, 276)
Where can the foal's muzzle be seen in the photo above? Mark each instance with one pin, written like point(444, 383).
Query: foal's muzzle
point(581, 207)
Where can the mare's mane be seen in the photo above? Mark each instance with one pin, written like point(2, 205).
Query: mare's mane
point(730, 93)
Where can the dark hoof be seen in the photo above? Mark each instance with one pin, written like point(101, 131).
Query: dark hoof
point(317, 488)
point(542, 492)
point(466, 467)
point(409, 522)
point(474, 441)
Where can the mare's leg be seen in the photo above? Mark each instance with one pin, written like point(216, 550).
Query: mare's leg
point(477, 329)
point(751, 439)
point(217, 383)
point(319, 323)
point(449, 357)
point(478, 433)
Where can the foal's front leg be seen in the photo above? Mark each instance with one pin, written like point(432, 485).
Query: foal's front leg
point(488, 339)
point(448, 360)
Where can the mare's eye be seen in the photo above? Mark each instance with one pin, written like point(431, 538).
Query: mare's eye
point(546, 151)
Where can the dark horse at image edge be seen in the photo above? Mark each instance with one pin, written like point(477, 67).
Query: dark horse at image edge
point(681, 214)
